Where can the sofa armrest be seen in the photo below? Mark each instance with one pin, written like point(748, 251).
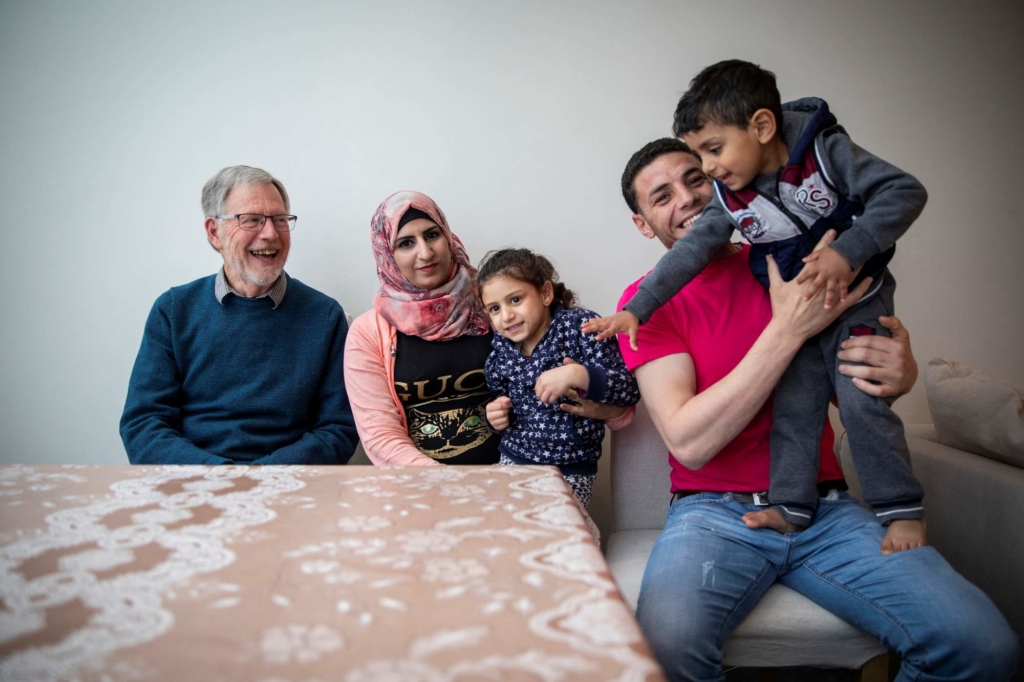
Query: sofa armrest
point(973, 507)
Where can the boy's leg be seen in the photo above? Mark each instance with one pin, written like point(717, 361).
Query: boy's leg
point(705, 574)
point(944, 627)
point(877, 441)
point(798, 418)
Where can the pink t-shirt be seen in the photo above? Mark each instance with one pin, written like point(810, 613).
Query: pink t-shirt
point(716, 319)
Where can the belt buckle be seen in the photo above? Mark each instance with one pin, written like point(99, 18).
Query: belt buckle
point(760, 499)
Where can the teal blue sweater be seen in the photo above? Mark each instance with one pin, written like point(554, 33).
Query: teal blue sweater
point(240, 382)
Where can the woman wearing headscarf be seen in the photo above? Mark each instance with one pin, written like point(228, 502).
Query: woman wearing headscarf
point(414, 364)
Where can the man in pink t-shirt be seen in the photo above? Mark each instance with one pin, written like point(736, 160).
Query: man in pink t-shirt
point(706, 364)
point(692, 324)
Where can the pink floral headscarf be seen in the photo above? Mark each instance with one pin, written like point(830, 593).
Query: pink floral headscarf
point(447, 312)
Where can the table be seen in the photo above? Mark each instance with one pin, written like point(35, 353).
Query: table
point(354, 573)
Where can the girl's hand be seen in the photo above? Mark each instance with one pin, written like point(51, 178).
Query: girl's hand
point(588, 408)
point(554, 383)
point(497, 412)
point(623, 322)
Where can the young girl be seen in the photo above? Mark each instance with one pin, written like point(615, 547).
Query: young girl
point(538, 356)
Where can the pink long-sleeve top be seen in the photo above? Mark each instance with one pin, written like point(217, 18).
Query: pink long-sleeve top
point(370, 381)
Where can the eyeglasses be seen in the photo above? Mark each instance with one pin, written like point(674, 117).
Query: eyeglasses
point(255, 221)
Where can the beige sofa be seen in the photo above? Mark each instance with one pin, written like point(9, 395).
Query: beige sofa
point(971, 465)
point(975, 513)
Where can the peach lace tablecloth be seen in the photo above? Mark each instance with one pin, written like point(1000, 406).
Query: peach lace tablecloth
point(360, 574)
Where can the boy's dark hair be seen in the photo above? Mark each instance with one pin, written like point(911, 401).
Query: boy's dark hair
point(645, 157)
point(526, 266)
point(727, 93)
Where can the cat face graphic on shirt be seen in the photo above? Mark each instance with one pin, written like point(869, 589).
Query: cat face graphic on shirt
point(442, 435)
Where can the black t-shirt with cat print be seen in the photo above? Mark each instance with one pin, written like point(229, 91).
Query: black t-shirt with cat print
point(443, 391)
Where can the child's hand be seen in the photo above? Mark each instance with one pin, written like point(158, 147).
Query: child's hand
point(554, 383)
point(827, 268)
point(497, 412)
point(623, 322)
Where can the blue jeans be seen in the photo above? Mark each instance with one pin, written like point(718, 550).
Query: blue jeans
point(708, 570)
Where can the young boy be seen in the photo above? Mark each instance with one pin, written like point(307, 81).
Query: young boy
point(785, 175)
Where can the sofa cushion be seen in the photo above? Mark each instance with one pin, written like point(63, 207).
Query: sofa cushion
point(975, 412)
point(640, 472)
point(627, 555)
point(784, 629)
point(973, 505)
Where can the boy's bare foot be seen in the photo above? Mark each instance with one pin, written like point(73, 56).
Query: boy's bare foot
point(904, 534)
point(770, 518)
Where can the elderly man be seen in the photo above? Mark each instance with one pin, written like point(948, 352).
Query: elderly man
point(706, 366)
point(244, 366)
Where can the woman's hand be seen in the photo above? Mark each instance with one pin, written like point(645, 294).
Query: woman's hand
point(497, 412)
point(798, 317)
point(889, 367)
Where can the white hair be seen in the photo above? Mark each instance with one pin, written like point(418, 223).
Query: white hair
point(217, 188)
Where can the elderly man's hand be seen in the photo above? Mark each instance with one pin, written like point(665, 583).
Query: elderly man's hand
point(887, 361)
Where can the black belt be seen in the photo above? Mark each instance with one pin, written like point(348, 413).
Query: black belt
point(759, 499)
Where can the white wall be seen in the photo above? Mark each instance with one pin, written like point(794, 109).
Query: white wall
point(516, 117)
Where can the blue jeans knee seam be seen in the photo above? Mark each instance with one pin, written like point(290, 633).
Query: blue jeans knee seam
point(906, 633)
